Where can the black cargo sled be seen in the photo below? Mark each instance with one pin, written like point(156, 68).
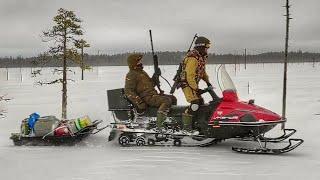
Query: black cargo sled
point(60, 135)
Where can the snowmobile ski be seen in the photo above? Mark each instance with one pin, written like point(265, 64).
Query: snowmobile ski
point(286, 134)
point(264, 150)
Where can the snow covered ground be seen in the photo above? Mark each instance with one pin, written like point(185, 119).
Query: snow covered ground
point(97, 159)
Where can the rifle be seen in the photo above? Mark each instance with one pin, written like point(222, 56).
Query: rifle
point(177, 77)
point(157, 71)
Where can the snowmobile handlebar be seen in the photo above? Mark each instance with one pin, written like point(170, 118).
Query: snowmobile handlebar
point(210, 90)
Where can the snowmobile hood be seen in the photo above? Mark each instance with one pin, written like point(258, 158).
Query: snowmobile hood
point(238, 111)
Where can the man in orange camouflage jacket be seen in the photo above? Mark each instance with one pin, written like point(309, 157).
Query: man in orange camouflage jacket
point(194, 70)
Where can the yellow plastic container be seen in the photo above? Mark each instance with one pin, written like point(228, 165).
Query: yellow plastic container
point(25, 130)
point(82, 122)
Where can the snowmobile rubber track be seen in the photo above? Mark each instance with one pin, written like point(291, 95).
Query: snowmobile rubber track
point(207, 144)
point(286, 149)
point(213, 142)
point(128, 139)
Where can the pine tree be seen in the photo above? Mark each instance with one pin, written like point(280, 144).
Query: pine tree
point(65, 35)
point(81, 44)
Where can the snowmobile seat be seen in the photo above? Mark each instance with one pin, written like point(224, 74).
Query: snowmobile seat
point(175, 110)
point(119, 104)
point(117, 100)
point(122, 107)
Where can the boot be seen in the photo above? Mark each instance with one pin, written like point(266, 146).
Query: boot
point(161, 117)
point(187, 124)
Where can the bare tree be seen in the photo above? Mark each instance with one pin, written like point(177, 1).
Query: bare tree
point(65, 34)
point(2, 111)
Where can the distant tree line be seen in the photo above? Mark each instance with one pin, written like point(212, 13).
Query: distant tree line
point(165, 58)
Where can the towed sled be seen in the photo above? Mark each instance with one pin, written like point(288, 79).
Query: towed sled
point(49, 131)
point(220, 119)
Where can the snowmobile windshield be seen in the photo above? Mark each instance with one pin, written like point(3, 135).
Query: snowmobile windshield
point(224, 79)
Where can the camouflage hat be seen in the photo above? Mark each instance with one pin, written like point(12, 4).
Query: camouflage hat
point(202, 41)
point(133, 59)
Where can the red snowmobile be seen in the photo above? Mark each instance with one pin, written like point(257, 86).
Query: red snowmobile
point(220, 119)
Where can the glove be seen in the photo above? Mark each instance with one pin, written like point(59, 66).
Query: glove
point(154, 78)
point(210, 87)
point(141, 107)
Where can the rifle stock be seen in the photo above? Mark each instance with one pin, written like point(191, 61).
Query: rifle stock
point(176, 79)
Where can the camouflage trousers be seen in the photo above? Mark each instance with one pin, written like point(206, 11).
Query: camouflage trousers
point(162, 101)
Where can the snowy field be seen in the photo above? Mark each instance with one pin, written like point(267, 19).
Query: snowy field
point(97, 159)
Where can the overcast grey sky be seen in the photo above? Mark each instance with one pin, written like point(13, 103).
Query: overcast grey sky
point(115, 26)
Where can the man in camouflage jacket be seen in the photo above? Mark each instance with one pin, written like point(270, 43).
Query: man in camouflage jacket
point(139, 88)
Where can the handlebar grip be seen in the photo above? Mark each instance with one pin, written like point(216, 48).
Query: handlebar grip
point(211, 92)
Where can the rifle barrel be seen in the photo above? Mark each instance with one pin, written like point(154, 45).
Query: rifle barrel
point(151, 42)
point(157, 71)
point(194, 38)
